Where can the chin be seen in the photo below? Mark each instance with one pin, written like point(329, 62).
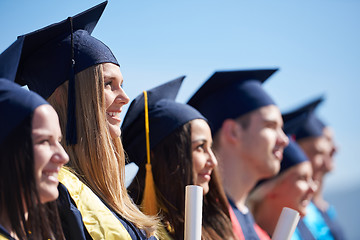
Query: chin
point(48, 195)
point(302, 211)
point(275, 168)
point(115, 131)
point(205, 188)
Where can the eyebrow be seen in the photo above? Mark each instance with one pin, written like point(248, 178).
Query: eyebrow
point(199, 140)
point(274, 122)
point(41, 133)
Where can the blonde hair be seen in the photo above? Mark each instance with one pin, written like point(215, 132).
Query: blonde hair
point(259, 193)
point(97, 159)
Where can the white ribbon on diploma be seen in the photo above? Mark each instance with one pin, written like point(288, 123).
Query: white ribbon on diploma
point(286, 224)
point(193, 212)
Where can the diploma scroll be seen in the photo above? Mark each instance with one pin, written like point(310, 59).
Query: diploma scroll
point(286, 224)
point(193, 212)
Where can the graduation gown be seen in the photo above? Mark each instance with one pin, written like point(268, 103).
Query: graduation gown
point(313, 225)
point(85, 216)
point(330, 218)
point(4, 234)
point(244, 225)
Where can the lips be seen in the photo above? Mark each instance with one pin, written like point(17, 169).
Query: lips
point(114, 115)
point(206, 175)
point(278, 154)
point(51, 175)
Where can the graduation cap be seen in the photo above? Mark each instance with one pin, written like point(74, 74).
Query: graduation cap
point(16, 103)
point(302, 122)
point(231, 94)
point(165, 116)
point(292, 156)
point(46, 58)
point(151, 117)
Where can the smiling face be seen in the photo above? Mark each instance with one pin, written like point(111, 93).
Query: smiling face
point(49, 155)
point(115, 97)
point(203, 158)
point(317, 150)
point(263, 141)
point(296, 188)
point(332, 149)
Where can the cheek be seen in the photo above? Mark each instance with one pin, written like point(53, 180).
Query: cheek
point(268, 137)
point(108, 98)
point(317, 161)
point(41, 158)
point(301, 188)
point(197, 162)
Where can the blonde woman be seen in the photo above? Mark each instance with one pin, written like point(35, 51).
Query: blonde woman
point(293, 187)
point(81, 78)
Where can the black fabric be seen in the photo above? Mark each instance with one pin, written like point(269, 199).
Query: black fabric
point(5, 233)
point(71, 219)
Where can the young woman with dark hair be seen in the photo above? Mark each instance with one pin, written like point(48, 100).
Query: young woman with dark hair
point(31, 157)
point(181, 155)
point(83, 82)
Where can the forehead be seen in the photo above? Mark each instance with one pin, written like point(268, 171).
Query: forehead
point(45, 119)
point(111, 70)
point(200, 127)
point(270, 113)
point(315, 143)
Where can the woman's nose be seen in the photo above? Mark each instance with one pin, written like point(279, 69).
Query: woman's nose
point(212, 159)
point(61, 157)
point(122, 97)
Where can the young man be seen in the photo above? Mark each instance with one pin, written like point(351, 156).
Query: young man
point(248, 137)
point(316, 140)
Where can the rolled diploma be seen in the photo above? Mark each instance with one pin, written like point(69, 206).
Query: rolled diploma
point(193, 212)
point(286, 224)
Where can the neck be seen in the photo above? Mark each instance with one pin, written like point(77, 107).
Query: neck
point(267, 216)
point(320, 202)
point(237, 181)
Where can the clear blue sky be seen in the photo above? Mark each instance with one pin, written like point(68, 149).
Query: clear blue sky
point(316, 45)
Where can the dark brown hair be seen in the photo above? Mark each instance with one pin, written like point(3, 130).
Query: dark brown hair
point(172, 169)
point(19, 193)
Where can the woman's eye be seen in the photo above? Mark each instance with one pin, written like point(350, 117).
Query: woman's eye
point(108, 83)
point(200, 147)
point(45, 141)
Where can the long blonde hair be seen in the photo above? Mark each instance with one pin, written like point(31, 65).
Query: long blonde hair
point(97, 159)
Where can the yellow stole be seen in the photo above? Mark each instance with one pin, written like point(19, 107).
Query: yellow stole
point(2, 237)
point(99, 221)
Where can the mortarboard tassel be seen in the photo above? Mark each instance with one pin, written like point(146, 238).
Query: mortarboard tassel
point(149, 202)
point(71, 136)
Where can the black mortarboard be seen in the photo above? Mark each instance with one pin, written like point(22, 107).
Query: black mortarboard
point(292, 156)
point(231, 94)
point(46, 58)
point(16, 103)
point(165, 116)
point(303, 122)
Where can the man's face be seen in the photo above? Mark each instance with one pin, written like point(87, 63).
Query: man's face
point(317, 150)
point(263, 141)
